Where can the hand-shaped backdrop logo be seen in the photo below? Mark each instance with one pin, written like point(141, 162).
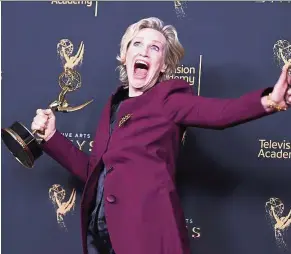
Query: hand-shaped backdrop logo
point(69, 79)
point(274, 210)
point(57, 196)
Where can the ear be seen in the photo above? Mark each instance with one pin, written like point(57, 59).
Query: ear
point(164, 68)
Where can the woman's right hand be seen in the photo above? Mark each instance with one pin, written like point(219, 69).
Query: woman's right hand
point(44, 123)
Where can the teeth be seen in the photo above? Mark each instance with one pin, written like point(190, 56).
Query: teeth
point(142, 62)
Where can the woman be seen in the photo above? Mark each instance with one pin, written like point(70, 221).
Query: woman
point(137, 141)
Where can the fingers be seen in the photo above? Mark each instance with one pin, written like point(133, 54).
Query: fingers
point(47, 112)
point(41, 119)
point(38, 125)
point(286, 68)
point(288, 96)
point(289, 76)
point(284, 73)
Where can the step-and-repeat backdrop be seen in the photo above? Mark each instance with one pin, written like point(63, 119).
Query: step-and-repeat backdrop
point(235, 184)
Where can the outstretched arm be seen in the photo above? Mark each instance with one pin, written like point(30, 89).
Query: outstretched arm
point(69, 156)
point(182, 107)
point(57, 146)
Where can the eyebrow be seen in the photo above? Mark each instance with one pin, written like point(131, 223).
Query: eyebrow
point(155, 41)
point(158, 42)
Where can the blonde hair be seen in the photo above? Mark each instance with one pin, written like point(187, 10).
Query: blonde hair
point(174, 49)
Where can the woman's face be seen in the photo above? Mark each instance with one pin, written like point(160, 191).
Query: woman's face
point(145, 59)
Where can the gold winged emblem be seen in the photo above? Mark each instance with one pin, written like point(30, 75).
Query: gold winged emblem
point(282, 52)
point(57, 195)
point(69, 79)
point(280, 223)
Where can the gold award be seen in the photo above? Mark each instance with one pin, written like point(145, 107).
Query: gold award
point(280, 223)
point(21, 142)
point(282, 54)
point(57, 195)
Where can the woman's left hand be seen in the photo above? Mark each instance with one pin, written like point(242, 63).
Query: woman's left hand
point(281, 94)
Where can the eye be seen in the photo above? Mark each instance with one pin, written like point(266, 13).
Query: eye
point(136, 43)
point(155, 47)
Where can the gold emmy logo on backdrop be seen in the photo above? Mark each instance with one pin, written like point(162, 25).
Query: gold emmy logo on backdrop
point(177, 3)
point(21, 142)
point(57, 196)
point(179, 8)
point(274, 210)
point(282, 52)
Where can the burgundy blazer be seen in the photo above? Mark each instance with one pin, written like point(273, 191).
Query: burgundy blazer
point(143, 210)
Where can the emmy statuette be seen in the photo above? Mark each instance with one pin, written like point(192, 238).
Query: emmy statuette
point(20, 141)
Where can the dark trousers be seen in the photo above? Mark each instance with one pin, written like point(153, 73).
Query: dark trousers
point(97, 245)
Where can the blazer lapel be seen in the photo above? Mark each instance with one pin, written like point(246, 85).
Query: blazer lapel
point(102, 134)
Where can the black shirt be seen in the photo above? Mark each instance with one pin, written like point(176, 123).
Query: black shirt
point(97, 223)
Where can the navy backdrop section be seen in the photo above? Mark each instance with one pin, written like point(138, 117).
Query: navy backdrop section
point(234, 184)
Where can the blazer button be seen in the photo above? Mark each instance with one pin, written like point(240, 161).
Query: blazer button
point(111, 199)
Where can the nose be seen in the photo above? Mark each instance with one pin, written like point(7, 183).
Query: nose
point(144, 51)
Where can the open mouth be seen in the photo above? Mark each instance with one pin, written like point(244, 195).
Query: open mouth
point(141, 65)
point(141, 69)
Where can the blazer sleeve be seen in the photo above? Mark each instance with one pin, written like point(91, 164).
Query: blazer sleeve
point(66, 154)
point(181, 106)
